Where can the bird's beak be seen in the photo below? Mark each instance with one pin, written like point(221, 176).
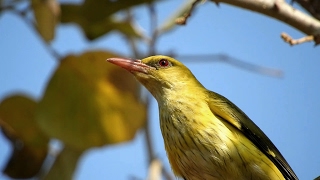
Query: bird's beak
point(132, 65)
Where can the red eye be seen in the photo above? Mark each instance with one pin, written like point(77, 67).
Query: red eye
point(163, 63)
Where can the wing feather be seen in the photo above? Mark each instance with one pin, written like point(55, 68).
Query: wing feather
point(229, 112)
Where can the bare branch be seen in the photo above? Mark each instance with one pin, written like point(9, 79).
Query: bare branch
point(292, 41)
point(282, 11)
point(154, 31)
point(131, 41)
point(166, 174)
point(183, 20)
point(32, 25)
point(155, 170)
point(150, 149)
point(233, 61)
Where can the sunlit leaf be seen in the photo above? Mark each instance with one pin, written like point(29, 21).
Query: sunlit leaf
point(95, 17)
point(28, 141)
point(46, 13)
point(64, 165)
point(89, 102)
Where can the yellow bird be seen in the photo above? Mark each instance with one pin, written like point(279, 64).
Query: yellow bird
point(206, 136)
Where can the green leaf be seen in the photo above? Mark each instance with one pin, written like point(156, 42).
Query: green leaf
point(89, 102)
point(46, 13)
point(28, 141)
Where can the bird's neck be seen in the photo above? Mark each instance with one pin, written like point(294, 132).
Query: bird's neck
point(180, 90)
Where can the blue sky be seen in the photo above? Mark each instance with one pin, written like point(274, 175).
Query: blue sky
point(286, 109)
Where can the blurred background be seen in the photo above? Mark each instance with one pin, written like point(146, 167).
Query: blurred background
point(59, 67)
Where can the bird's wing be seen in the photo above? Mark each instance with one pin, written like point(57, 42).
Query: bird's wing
point(229, 112)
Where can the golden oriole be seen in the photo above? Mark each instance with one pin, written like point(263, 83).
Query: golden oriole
point(206, 136)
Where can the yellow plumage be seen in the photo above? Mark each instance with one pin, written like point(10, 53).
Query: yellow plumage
point(205, 135)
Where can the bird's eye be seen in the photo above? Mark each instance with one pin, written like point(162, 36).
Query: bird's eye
point(163, 62)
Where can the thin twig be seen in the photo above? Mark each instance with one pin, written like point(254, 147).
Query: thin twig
point(183, 20)
point(287, 38)
point(133, 45)
point(11, 4)
point(6, 8)
point(166, 174)
point(233, 61)
point(32, 25)
point(153, 27)
point(150, 150)
point(155, 170)
point(130, 39)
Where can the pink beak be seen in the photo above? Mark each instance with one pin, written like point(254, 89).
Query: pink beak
point(132, 65)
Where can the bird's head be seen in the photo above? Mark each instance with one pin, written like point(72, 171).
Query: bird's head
point(159, 74)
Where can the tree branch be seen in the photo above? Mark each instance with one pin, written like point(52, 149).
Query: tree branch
point(155, 170)
point(32, 25)
point(183, 20)
point(154, 31)
point(282, 11)
point(225, 58)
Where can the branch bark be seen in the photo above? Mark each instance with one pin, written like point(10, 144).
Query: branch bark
point(282, 11)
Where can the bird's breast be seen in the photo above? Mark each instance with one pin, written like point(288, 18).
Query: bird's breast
point(201, 146)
